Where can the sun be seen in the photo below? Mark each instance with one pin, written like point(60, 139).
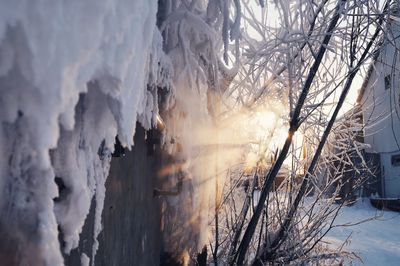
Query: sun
point(268, 131)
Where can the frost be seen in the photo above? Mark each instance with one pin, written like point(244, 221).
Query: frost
point(73, 75)
point(84, 260)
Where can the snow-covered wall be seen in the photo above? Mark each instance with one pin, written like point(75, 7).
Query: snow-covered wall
point(73, 75)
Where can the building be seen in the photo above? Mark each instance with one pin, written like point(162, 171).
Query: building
point(353, 171)
point(379, 100)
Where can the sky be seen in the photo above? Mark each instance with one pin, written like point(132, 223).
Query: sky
point(271, 18)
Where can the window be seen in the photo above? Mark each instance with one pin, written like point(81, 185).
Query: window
point(388, 82)
point(396, 160)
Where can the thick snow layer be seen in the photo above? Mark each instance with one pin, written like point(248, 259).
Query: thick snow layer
point(73, 75)
point(376, 241)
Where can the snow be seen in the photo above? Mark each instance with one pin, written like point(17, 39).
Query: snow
point(84, 260)
point(376, 241)
point(73, 75)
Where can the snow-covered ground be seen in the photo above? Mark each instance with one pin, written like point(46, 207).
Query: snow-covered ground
point(377, 241)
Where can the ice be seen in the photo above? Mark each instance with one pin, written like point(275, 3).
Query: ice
point(73, 75)
point(84, 260)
